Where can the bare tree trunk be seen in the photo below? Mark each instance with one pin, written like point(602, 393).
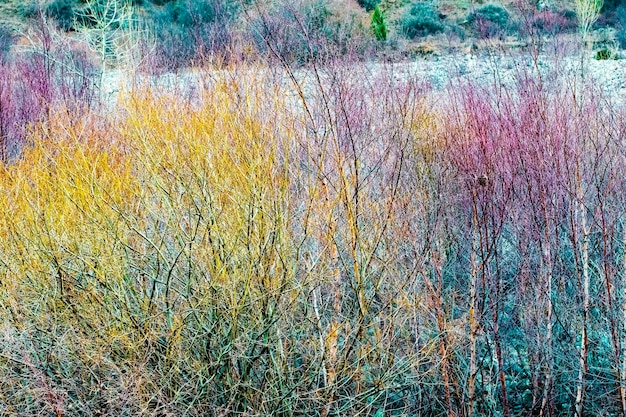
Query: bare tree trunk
point(471, 382)
point(547, 388)
point(437, 299)
point(443, 350)
point(609, 282)
point(622, 383)
point(443, 340)
point(334, 331)
point(498, 345)
point(580, 392)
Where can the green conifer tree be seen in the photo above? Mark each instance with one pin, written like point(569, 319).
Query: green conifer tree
point(378, 25)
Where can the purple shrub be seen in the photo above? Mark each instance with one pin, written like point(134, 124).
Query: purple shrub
point(7, 110)
point(35, 82)
point(538, 170)
point(550, 22)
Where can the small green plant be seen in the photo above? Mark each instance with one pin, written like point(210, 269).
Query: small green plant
point(421, 19)
point(378, 25)
point(605, 54)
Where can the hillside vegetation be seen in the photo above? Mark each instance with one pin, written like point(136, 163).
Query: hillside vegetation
point(180, 32)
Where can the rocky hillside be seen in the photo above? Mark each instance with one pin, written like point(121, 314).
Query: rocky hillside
point(181, 32)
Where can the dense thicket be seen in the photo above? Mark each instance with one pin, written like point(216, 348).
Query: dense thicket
point(334, 239)
point(342, 243)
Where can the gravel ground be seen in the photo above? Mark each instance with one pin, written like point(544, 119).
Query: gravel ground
point(486, 69)
point(438, 71)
